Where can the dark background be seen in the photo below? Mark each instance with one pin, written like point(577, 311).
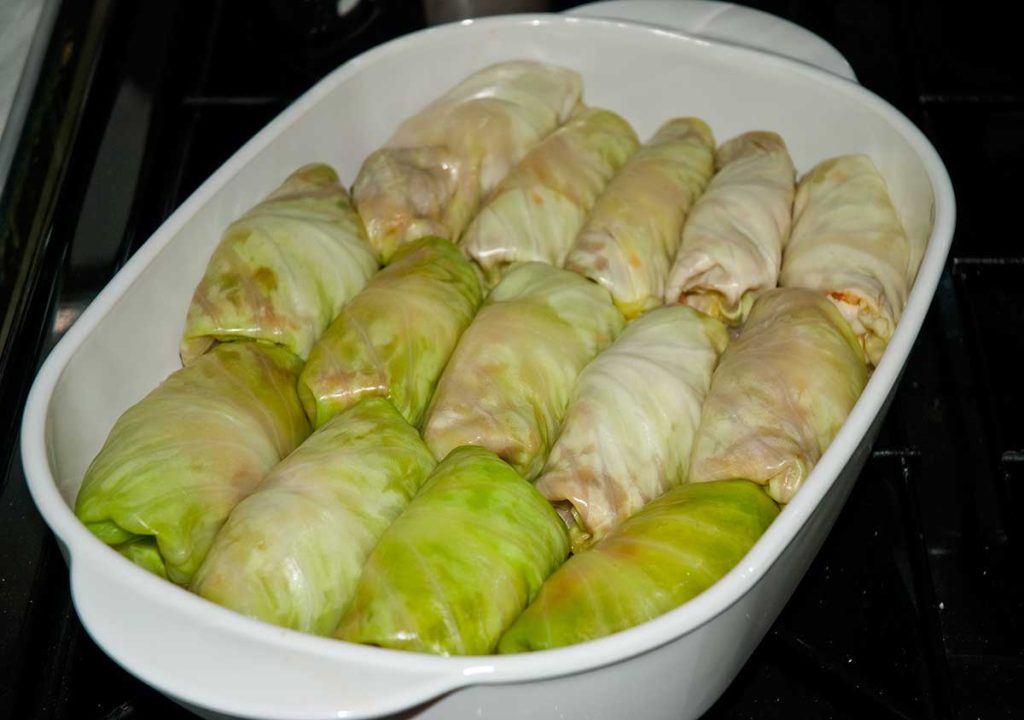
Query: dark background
point(913, 608)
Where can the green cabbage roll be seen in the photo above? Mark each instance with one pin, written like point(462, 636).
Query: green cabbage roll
point(848, 241)
point(394, 338)
point(781, 392)
point(630, 238)
point(536, 212)
point(178, 461)
point(732, 242)
point(463, 560)
point(430, 177)
point(144, 552)
point(507, 384)
point(283, 270)
point(631, 420)
point(667, 553)
point(292, 552)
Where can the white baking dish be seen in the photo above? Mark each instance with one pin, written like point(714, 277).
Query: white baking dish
point(223, 664)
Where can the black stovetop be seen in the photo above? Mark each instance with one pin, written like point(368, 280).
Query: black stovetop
point(915, 606)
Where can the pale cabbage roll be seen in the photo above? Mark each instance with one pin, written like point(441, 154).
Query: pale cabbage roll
point(631, 420)
point(394, 338)
point(666, 554)
point(848, 241)
point(630, 238)
point(732, 242)
point(463, 560)
point(430, 177)
point(781, 391)
point(507, 384)
point(536, 212)
point(283, 270)
point(177, 462)
point(292, 552)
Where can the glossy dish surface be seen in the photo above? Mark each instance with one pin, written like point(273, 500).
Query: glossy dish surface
point(127, 341)
point(726, 22)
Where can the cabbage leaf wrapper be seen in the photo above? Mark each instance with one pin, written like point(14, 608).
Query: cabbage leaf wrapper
point(781, 392)
point(664, 555)
point(507, 384)
point(177, 462)
point(463, 560)
point(292, 552)
point(631, 420)
point(848, 241)
point(430, 177)
point(633, 232)
point(283, 270)
point(536, 212)
point(394, 338)
point(732, 242)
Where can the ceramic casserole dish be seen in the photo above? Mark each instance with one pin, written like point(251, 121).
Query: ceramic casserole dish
point(221, 664)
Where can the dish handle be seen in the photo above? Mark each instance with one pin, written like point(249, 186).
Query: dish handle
point(247, 669)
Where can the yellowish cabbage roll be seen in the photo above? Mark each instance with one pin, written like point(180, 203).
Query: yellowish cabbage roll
point(178, 461)
point(507, 384)
point(732, 242)
point(292, 552)
point(781, 391)
point(666, 554)
point(430, 177)
point(848, 241)
point(283, 270)
point(631, 420)
point(536, 212)
point(463, 560)
point(630, 238)
point(394, 338)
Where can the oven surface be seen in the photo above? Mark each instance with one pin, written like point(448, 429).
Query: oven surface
point(914, 607)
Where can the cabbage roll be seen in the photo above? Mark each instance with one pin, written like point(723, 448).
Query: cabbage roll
point(666, 554)
point(732, 242)
point(631, 419)
point(292, 552)
point(283, 270)
point(780, 394)
point(431, 175)
point(463, 560)
point(535, 213)
point(630, 238)
point(508, 382)
point(178, 461)
point(394, 338)
point(848, 242)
